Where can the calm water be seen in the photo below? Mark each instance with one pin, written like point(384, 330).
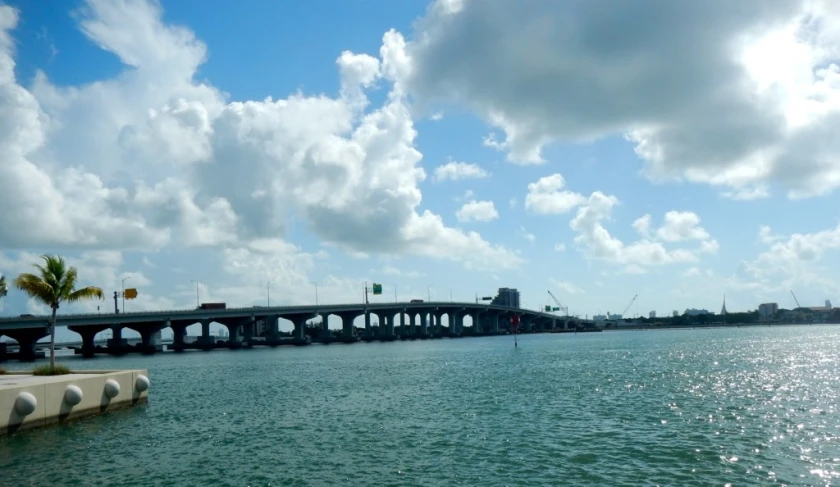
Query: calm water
point(746, 406)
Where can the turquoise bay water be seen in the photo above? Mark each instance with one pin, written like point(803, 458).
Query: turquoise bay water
point(739, 406)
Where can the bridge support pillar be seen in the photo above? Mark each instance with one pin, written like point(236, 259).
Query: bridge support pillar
point(403, 331)
point(26, 339)
point(26, 349)
point(325, 335)
point(206, 339)
point(347, 332)
point(368, 333)
point(299, 336)
point(179, 331)
point(529, 324)
point(390, 333)
point(272, 330)
point(150, 340)
point(412, 329)
point(477, 329)
point(424, 325)
point(116, 344)
point(233, 333)
point(88, 334)
point(248, 330)
point(456, 323)
point(383, 325)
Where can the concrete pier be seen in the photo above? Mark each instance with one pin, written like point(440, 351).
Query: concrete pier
point(28, 401)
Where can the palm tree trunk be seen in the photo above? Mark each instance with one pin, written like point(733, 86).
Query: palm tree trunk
point(52, 342)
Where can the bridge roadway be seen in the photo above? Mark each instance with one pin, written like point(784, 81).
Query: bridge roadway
point(259, 324)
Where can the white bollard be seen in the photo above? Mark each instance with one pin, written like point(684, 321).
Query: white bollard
point(142, 383)
point(25, 404)
point(112, 388)
point(73, 395)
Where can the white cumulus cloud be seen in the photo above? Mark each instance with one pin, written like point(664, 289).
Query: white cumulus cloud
point(478, 211)
point(733, 97)
point(153, 157)
point(456, 171)
point(547, 196)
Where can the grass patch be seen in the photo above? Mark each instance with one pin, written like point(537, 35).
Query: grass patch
point(45, 370)
point(2, 371)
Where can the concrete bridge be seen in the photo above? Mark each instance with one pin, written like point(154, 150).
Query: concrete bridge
point(258, 325)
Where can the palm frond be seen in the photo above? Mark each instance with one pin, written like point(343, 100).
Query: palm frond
point(56, 283)
point(3, 289)
point(36, 288)
point(68, 282)
point(90, 292)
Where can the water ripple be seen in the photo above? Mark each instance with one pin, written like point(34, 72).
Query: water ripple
point(747, 406)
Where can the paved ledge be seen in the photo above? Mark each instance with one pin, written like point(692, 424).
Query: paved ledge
point(28, 401)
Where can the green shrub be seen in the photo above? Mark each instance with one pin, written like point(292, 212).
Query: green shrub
point(45, 370)
point(2, 371)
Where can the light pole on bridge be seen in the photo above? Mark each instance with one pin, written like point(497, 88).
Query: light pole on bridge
point(429, 292)
point(123, 292)
point(197, 297)
point(316, 291)
point(268, 292)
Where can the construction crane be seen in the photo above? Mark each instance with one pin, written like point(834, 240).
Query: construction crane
point(794, 298)
point(628, 306)
point(564, 309)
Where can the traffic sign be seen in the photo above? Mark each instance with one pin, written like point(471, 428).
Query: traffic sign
point(130, 293)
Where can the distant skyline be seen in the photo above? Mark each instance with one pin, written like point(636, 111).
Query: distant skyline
point(678, 151)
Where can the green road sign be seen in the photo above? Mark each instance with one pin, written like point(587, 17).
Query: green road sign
point(377, 288)
point(547, 308)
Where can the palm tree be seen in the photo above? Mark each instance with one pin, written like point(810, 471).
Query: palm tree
point(3, 289)
point(55, 284)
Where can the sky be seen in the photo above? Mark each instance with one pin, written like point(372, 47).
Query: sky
point(264, 150)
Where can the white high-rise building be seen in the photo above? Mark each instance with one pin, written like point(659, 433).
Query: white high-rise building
point(767, 310)
point(652, 314)
point(828, 303)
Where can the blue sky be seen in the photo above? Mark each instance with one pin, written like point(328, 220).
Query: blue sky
point(143, 146)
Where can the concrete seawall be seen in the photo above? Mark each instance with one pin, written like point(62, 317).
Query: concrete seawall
point(28, 401)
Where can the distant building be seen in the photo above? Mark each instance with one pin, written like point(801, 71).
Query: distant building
point(723, 309)
point(508, 297)
point(675, 313)
point(767, 311)
point(696, 312)
point(652, 314)
point(607, 317)
point(828, 304)
point(817, 309)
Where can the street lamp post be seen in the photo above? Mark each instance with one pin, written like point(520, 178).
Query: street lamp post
point(316, 291)
point(429, 292)
point(197, 298)
point(123, 292)
point(450, 295)
point(268, 292)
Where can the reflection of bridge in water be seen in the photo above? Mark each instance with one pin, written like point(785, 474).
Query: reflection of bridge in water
point(259, 325)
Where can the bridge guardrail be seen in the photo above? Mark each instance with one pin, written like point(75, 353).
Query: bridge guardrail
point(274, 309)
